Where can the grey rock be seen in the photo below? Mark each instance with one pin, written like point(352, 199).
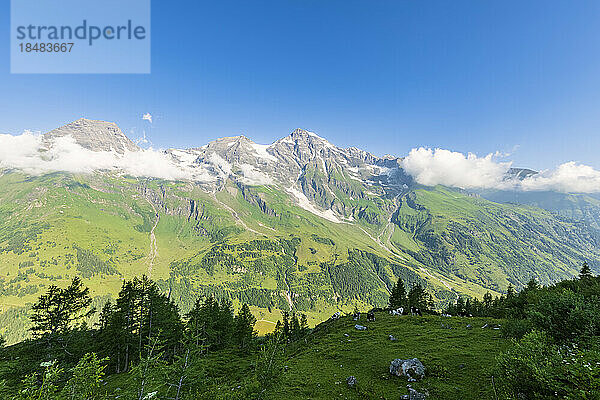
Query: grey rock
point(413, 394)
point(411, 368)
point(392, 338)
point(360, 327)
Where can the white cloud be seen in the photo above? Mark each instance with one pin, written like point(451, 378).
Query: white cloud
point(569, 177)
point(147, 117)
point(252, 176)
point(28, 152)
point(223, 167)
point(443, 167)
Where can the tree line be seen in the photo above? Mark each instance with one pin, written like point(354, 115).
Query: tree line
point(142, 338)
point(141, 333)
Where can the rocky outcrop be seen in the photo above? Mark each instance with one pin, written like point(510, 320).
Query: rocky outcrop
point(256, 200)
point(93, 135)
point(412, 368)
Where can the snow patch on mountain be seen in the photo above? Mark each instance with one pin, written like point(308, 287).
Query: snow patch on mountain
point(261, 151)
point(304, 203)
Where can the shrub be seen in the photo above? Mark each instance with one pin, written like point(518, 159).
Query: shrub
point(534, 368)
point(567, 316)
point(516, 328)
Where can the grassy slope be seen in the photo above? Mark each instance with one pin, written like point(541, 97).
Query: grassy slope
point(319, 368)
point(458, 361)
point(456, 241)
point(491, 244)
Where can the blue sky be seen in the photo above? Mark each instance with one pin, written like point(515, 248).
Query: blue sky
point(386, 76)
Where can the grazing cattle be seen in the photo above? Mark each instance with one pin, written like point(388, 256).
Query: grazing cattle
point(415, 311)
point(398, 311)
point(371, 316)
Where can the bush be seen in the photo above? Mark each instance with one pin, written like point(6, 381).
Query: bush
point(534, 368)
point(516, 328)
point(567, 316)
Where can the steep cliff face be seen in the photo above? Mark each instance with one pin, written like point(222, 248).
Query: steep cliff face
point(93, 135)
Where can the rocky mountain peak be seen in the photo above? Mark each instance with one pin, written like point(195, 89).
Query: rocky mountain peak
point(93, 135)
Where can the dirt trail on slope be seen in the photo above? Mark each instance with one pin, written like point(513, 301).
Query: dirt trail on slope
point(153, 246)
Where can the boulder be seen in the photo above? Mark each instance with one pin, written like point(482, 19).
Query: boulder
point(392, 338)
point(411, 368)
point(360, 327)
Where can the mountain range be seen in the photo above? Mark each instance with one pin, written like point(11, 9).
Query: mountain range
point(299, 225)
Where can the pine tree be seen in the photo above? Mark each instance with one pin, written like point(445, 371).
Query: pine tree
point(430, 303)
point(510, 292)
point(294, 327)
point(141, 313)
point(487, 303)
point(303, 324)
point(244, 332)
point(532, 285)
point(398, 295)
point(59, 310)
point(417, 297)
point(278, 331)
point(85, 383)
point(285, 326)
point(211, 322)
point(585, 272)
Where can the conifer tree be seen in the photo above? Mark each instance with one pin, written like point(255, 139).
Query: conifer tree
point(86, 381)
point(294, 327)
point(487, 301)
point(244, 332)
point(285, 326)
point(303, 323)
point(585, 271)
point(59, 310)
point(398, 295)
point(417, 297)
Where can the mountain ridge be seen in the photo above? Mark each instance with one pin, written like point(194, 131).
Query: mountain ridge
point(297, 225)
